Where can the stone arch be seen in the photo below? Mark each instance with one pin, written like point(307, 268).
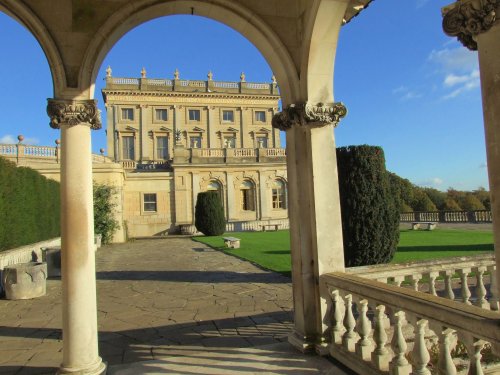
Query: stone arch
point(22, 14)
point(318, 53)
point(227, 12)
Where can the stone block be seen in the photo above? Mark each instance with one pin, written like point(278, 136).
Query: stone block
point(52, 256)
point(25, 280)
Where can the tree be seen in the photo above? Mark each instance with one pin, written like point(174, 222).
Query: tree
point(437, 197)
point(451, 204)
point(422, 202)
point(209, 214)
point(105, 223)
point(370, 215)
point(471, 203)
point(484, 196)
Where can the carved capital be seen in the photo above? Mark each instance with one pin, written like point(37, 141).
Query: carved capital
point(73, 112)
point(469, 18)
point(307, 114)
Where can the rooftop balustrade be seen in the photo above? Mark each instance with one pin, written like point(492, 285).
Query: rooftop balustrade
point(236, 155)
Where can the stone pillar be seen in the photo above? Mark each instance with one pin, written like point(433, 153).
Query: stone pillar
point(314, 211)
point(231, 209)
point(264, 198)
point(75, 118)
point(475, 24)
point(211, 127)
point(195, 180)
point(143, 134)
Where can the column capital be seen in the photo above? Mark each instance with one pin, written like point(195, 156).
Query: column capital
point(466, 19)
point(308, 114)
point(73, 112)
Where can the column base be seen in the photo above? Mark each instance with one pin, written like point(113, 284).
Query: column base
point(301, 343)
point(99, 368)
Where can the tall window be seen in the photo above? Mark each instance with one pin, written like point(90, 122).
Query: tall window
point(195, 142)
point(215, 186)
point(128, 147)
point(128, 114)
point(162, 147)
point(247, 196)
point(194, 115)
point(279, 194)
point(229, 142)
point(150, 202)
point(227, 116)
point(260, 116)
point(262, 142)
point(161, 115)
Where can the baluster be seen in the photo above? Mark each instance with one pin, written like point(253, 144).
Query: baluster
point(475, 356)
point(420, 353)
point(448, 286)
point(399, 364)
point(446, 341)
point(465, 285)
point(380, 356)
point(364, 346)
point(432, 282)
point(415, 278)
point(338, 328)
point(398, 280)
point(480, 289)
point(349, 337)
point(494, 305)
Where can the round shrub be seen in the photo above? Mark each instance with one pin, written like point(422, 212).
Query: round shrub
point(209, 214)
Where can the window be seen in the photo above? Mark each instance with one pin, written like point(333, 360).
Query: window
point(128, 147)
point(162, 148)
point(194, 114)
point(227, 116)
point(279, 194)
point(195, 142)
point(150, 202)
point(161, 115)
point(262, 142)
point(247, 196)
point(215, 186)
point(128, 114)
point(260, 116)
point(229, 142)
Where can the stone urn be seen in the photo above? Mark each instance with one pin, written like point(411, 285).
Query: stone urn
point(25, 280)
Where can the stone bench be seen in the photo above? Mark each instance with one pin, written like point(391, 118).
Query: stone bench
point(270, 226)
point(25, 280)
point(430, 225)
point(232, 242)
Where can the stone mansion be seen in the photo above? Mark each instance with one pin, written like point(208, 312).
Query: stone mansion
point(169, 139)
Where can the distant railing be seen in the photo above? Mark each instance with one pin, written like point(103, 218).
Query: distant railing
point(479, 216)
point(246, 155)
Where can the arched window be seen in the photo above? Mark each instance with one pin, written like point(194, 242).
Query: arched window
point(215, 186)
point(279, 194)
point(247, 196)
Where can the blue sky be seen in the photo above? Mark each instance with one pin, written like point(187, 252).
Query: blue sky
point(408, 87)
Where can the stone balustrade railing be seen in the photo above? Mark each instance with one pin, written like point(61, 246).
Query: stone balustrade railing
point(182, 85)
point(241, 226)
point(479, 216)
point(378, 328)
point(225, 155)
point(20, 152)
point(466, 272)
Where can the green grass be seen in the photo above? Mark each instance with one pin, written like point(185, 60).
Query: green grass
point(271, 250)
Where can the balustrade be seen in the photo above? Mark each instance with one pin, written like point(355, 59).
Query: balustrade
point(479, 216)
point(427, 332)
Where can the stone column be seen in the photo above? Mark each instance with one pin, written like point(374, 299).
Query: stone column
point(143, 134)
point(314, 211)
point(195, 180)
point(75, 118)
point(231, 209)
point(475, 24)
point(211, 127)
point(264, 198)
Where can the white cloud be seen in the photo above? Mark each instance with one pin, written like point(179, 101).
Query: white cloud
point(405, 93)
point(421, 3)
point(10, 139)
point(434, 182)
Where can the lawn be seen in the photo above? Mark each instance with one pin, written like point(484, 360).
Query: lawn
point(271, 250)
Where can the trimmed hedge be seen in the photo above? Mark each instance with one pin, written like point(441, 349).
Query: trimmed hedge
point(209, 214)
point(370, 215)
point(29, 206)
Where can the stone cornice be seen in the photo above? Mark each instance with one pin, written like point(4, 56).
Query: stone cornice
point(136, 93)
point(307, 114)
point(468, 18)
point(73, 112)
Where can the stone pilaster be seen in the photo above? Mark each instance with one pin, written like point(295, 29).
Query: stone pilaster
point(314, 211)
point(76, 118)
point(466, 19)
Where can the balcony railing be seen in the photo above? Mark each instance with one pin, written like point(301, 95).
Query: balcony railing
point(479, 216)
point(382, 322)
point(236, 155)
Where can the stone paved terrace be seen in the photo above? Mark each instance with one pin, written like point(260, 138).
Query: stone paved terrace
point(175, 306)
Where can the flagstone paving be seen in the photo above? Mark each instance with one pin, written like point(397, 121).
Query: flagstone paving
point(156, 298)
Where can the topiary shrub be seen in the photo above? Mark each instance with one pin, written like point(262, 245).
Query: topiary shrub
point(209, 214)
point(370, 214)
